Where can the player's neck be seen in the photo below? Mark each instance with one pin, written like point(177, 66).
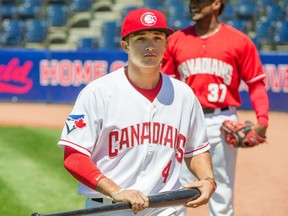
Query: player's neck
point(206, 30)
point(144, 78)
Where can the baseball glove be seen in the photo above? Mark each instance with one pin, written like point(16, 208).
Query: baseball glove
point(240, 135)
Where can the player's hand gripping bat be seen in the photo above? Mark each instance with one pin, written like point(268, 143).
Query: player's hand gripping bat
point(164, 199)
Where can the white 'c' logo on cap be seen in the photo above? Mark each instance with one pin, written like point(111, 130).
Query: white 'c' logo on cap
point(148, 19)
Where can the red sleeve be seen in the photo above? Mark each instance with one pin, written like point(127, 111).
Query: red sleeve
point(249, 61)
point(260, 101)
point(82, 167)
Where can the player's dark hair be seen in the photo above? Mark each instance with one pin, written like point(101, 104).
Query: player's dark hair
point(221, 9)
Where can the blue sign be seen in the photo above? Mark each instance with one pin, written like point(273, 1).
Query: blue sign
point(58, 76)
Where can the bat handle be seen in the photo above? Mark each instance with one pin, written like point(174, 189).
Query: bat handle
point(36, 214)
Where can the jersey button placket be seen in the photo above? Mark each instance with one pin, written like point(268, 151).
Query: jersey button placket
point(204, 49)
point(153, 113)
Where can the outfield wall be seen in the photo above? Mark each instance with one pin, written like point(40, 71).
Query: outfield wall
point(58, 76)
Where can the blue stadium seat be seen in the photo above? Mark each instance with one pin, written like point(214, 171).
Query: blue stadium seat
point(177, 24)
point(153, 4)
point(8, 11)
point(264, 30)
point(281, 32)
point(10, 2)
point(36, 31)
point(246, 11)
point(239, 24)
point(178, 11)
point(171, 2)
point(57, 15)
point(62, 2)
point(110, 35)
point(229, 12)
point(266, 2)
point(32, 2)
point(257, 40)
point(87, 43)
point(80, 5)
point(12, 32)
point(274, 12)
point(243, 2)
point(27, 10)
point(126, 9)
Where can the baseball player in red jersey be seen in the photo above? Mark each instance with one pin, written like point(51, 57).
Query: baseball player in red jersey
point(131, 130)
point(212, 58)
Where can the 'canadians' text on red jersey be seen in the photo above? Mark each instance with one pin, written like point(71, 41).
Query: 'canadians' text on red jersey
point(219, 69)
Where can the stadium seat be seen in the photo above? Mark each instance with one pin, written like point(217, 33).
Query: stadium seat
point(179, 23)
point(8, 11)
point(178, 11)
point(57, 15)
point(80, 20)
point(27, 10)
point(80, 13)
point(228, 13)
point(110, 35)
point(32, 2)
point(239, 24)
point(57, 37)
point(264, 28)
point(265, 2)
point(10, 2)
point(36, 31)
point(126, 9)
point(12, 32)
point(257, 40)
point(87, 43)
point(244, 2)
point(263, 31)
point(274, 12)
point(80, 5)
point(62, 2)
point(170, 2)
point(281, 32)
point(102, 5)
point(153, 4)
point(246, 11)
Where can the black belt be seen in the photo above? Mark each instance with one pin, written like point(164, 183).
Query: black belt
point(207, 110)
point(100, 200)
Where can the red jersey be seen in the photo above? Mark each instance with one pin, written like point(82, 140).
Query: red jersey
point(213, 66)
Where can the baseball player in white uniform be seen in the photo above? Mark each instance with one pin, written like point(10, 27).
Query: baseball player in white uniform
point(131, 130)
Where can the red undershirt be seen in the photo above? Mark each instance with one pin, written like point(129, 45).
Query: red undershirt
point(150, 94)
point(260, 102)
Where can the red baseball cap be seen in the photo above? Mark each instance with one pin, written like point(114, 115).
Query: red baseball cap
point(144, 19)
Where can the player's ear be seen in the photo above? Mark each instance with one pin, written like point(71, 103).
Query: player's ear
point(124, 46)
point(217, 4)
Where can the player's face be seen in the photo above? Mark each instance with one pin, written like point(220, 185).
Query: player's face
point(201, 9)
point(146, 48)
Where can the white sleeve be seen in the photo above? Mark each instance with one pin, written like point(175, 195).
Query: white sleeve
point(197, 141)
point(80, 130)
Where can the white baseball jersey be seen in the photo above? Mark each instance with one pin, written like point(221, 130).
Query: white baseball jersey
point(137, 143)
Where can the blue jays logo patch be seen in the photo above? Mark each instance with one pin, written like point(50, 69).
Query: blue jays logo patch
point(75, 121)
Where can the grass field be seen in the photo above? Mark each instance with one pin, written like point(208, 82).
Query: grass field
point(32, 176)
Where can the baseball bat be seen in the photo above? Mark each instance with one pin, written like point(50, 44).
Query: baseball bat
point(164, 199)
